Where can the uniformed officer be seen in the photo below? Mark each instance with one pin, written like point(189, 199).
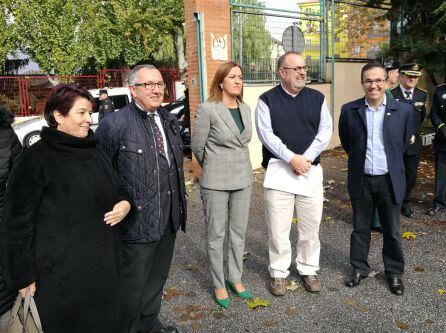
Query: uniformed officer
point(408, 92)
point(438, 119)
point(392, 68)
point(106, 105)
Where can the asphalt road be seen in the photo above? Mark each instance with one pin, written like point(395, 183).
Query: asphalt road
point(189, 303)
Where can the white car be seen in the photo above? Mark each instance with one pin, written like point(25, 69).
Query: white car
point(28, 131)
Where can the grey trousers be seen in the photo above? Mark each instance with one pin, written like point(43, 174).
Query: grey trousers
point(221, 209)
point(4, 321)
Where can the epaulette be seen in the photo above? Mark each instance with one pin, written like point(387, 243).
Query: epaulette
point(440, 85)
point(425, 91)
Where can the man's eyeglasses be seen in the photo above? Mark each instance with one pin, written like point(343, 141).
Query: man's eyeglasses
point(297, 69)
point(151, 85)
point(369, 83)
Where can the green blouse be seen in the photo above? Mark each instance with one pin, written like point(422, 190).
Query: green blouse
point(236, 115)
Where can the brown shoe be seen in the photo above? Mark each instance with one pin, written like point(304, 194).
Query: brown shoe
point(277, 286)
point(312, 283)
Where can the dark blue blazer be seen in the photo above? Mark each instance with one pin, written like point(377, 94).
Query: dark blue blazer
point(397, 128)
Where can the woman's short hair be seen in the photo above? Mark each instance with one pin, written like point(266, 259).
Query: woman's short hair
point(215, 93)
point(62, 98)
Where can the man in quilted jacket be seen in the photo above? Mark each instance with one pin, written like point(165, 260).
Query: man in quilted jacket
point(144, 146)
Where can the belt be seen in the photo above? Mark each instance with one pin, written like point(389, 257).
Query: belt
point(366, 175)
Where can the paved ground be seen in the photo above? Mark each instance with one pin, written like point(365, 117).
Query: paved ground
point(370, 307)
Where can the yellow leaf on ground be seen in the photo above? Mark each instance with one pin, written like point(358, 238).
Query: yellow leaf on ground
point(292, 285)
point(256, 302)
point(402, 325)
point(294, 220)
point(440, 291)
point(408, 235)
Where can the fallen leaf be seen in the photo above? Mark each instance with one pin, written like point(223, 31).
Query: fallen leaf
point(191, 294)
point(177, 309)
point(196, 327)
point(331, 181)
point(193, 268)
point(373, 273)
point(350, 301)
point(418, 269)
point(440, 291)
point(171, 293)
point(332, 289)
point(402, 326)
point(429, 321)
point(257, 302)
point(327, 218)
point(186, 317)
point(218, 315)
point(294, 221)
point(270, 323)
point(292, 285)
point(364, 309)
point(408, 235)
point(246, 255)
point(290, 311)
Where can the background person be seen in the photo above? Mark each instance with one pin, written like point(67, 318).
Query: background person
point(58, 239)
point(222, 132)
point(10, 149)
point(408, 92)
point(106, 105)
point(375, 132)
point(438, 120)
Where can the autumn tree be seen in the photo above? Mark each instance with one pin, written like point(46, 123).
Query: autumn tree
point(419, 33)
point(62, 36)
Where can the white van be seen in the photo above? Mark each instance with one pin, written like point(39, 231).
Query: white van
point(28, 131)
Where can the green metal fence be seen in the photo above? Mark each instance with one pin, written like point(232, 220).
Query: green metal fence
point(260, 34)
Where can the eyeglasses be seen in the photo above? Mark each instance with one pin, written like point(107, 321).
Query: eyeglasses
point(151, 85)
point(297, 69)
point(369, 83)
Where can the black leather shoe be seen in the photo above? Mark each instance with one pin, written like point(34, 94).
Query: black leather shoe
point(407, 212)
point(396, 286)
point(354, 279)
point(169, 329)
point(434, 210)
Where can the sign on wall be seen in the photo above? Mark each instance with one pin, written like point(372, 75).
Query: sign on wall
point(219, 47)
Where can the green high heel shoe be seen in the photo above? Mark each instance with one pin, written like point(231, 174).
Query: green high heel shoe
point(245, 294)
point(224, 303)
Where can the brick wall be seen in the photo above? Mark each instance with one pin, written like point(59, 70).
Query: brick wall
point(216, 21)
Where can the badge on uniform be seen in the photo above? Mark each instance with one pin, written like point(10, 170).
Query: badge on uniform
point(419, 103)
point(443, 96)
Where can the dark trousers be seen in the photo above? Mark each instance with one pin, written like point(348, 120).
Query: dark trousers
point(411, 163)
point(376, 192)
point(440, 179)
point(145, 268)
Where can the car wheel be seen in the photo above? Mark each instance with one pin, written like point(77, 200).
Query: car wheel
point(31, 139)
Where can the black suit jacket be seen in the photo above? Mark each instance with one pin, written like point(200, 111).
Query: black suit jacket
point(418, 114)
point(438, 117)
point(397, 130)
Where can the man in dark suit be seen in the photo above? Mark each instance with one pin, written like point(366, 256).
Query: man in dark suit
point(408, 92)
point(438, 119)
point(143, 143)
point(375, 131)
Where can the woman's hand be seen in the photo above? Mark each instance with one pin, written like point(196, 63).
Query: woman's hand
point(31, 288)
point(120, 210)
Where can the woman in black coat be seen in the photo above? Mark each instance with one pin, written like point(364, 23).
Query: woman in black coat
point(61, 204)
point(10, 149)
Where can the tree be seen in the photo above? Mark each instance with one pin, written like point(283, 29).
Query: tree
point(419, 33)
point(6, 37)
point(63, 36)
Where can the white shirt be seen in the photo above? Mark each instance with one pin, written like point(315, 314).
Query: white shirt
point(275, 145)
point(404, 91)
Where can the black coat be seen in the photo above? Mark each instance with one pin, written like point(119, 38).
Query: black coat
point(397, 130)
point(54, 233)
point(127, 139)
point(438, 117)
point(418, 114)
point(10, 149)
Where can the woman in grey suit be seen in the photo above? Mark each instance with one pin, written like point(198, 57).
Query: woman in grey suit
point(221, 134)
